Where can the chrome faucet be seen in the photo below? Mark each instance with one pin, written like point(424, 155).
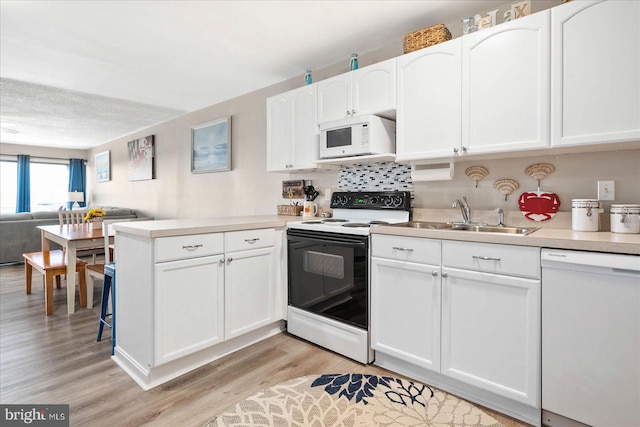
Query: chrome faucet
point(465, 210)
point(500, 217)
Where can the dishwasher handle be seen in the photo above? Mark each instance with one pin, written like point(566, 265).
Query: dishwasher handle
point(615, 262)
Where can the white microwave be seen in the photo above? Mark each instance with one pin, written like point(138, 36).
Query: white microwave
point(357, 136)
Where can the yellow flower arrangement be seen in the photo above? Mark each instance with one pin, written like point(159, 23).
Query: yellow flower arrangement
point(95, 213)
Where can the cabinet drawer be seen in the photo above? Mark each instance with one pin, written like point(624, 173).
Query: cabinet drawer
point(513, 260)
point(426, 251)
point(193, 246)
point(249, 239)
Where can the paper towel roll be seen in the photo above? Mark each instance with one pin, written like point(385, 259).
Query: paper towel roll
point(432, 172)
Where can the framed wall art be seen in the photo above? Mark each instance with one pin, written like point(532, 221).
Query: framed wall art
point(103, 167)
point(211, 146)
point(141, 156)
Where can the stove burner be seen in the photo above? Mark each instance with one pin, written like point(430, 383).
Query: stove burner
point(356, 225)
point(328, 220)
point(378, 222)
point(311, 222)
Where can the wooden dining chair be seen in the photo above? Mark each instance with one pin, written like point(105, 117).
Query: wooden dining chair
point(72, 217)
point(76, 217)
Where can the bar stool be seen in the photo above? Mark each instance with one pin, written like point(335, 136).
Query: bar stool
point(108, 285)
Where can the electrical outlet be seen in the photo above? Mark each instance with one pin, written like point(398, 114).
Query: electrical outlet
point(327, 194)
point(606, 190)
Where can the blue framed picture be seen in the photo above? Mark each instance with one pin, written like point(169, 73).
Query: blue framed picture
point(103, 167)
point(211, 146)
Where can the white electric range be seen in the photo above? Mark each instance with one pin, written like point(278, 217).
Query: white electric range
point(328, 263)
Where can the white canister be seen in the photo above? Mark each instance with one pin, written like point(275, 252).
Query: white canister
point(585, 215)
point(625, 219)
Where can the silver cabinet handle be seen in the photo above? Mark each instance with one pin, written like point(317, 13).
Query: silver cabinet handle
point(229, 260)
point(434, 273)
point(192, 247)
point(252, 241)
point(485, 258)
point(464, 149)
point(396, 248)
point(445, 275)
point(221, 261)
point(455, 150)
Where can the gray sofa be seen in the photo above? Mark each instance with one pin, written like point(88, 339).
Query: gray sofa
point(19, 233)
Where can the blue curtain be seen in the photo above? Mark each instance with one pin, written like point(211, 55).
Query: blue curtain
point(23, 201)
point(77, 178)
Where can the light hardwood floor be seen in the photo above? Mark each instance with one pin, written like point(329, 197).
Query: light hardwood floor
point(56, 359)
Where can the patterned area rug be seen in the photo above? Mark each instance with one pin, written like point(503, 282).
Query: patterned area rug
point(353, 400)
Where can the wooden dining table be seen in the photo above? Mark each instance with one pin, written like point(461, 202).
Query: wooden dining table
point(72, 237)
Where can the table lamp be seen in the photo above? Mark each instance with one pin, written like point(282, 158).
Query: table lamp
point(75, 197)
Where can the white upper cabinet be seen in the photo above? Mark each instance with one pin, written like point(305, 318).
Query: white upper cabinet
point(595, 72)
point(429, 107)
point(505, 86)
point(368, 90)
point(292, 130)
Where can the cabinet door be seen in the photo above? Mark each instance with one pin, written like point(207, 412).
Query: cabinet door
point(405, 311)
point(595, 72)
point(429, 104)
point(505, 86)
point(374, 88)
point(491, 333)
point(305, 135)
point(334, 98)
point(249, 291)
point(189, 311)
point(278, 133)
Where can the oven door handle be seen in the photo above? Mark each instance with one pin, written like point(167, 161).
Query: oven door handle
point(305, 241)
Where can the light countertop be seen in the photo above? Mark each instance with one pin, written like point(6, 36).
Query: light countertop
point(182, 227)
point(545, 237)
point(559, 238)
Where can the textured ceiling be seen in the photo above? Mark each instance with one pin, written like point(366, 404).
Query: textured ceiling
point(76, 74)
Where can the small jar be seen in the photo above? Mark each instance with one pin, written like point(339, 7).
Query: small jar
point(353, 62)
point(307, 77)
point(625, 218)
point(585, 215)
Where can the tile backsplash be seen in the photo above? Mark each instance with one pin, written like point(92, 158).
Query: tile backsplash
point(385, 176)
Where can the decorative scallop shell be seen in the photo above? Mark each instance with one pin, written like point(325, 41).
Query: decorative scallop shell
point(476, 173)
point(506, 186)
point(540, 171)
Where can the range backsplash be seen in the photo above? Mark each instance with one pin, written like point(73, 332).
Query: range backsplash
point(387, 176)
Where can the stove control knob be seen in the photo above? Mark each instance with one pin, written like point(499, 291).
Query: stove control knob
point(374, 200)
point(344, 200)
point(397, 201)
point(387, 201)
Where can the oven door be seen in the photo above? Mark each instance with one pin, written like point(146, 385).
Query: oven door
point(328, 275)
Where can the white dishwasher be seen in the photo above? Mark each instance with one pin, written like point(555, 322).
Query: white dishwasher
point(590, 338)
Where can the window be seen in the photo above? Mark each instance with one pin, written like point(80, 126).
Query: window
point(8, 186)
point(49, 186)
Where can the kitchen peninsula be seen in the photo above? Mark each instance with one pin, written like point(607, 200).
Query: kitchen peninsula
point(191, 291)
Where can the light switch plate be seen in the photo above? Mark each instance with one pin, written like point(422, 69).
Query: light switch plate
point(606, 190)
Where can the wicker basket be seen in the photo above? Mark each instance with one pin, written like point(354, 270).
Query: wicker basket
point(426, 37)
point(289, 210)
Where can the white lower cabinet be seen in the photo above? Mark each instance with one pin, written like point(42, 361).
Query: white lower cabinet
point(405, 299)
point(186, 300)
point(249, 283)
point(491, 332)
point(193, 286)
point(461, 316)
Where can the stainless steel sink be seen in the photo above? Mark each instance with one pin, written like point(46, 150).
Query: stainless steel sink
point(480, 228)
point(495, 229)
point(428, 225)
